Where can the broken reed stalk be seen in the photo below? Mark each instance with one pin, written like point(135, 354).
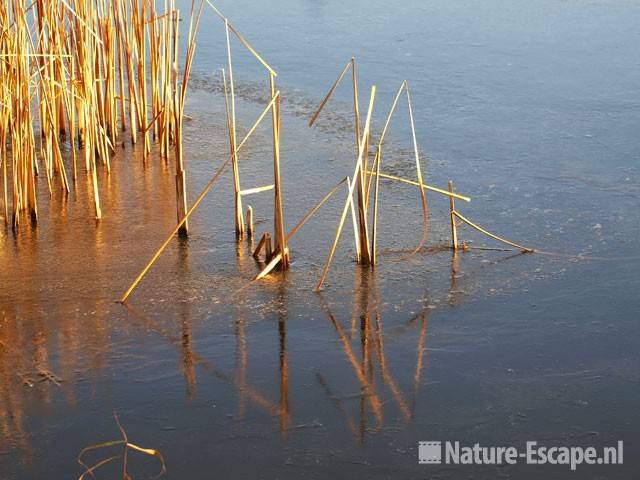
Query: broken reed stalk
point(265, 241)
point(126, 445)
point(199, 199)
point(250, 221)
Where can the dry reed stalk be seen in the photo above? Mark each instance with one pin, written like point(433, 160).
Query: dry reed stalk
point(180, 98)
point(423, 198)
point(266, 239)
point(452, 217)
point(244, 42)
point(424, 186)
point(261, 245)
point(231, 111)
point(250, 221)
point(356, 172)
point(374, 246)
point(489, 234)
point(425, 210)
point(363, 251)
point(281, 242)
point(126, 445)
point(317, 207)
point(199, 199)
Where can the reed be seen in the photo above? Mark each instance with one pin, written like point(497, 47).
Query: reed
point(197, 202)
point(280, 246)
point(250, 221)
point(362, 246)
point(126, 447)
point(452, 218)
point(366, 245)
point(76, 74)
point(356, 174)
point(73, 75)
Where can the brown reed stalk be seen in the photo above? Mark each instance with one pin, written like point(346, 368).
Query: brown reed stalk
point(180, 98)
point(250, 221)
point(281, 242)
point(452, 218)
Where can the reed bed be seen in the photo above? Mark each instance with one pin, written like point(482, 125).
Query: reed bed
point(75, 75)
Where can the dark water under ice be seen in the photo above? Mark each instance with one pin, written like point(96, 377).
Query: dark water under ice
point(533, 108)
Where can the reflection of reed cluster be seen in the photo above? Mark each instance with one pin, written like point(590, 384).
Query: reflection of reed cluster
point(361, 350)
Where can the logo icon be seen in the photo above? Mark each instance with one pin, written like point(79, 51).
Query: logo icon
point(430, 452)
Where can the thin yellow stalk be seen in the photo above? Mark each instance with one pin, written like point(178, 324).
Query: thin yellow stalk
point(315, 115)
point(452, 218)
point(281, 243)
point(424, 186)
point(489, 234)
point(242, 40)
point(356, 228)
point(423, 198)
point(346, 206)
point(239, 221)
point(199, 199)
point(374, 247)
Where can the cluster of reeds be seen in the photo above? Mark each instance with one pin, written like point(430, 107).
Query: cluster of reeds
point(73, 75)
point(367, 174)
point(276, 252)
point(366, 177)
